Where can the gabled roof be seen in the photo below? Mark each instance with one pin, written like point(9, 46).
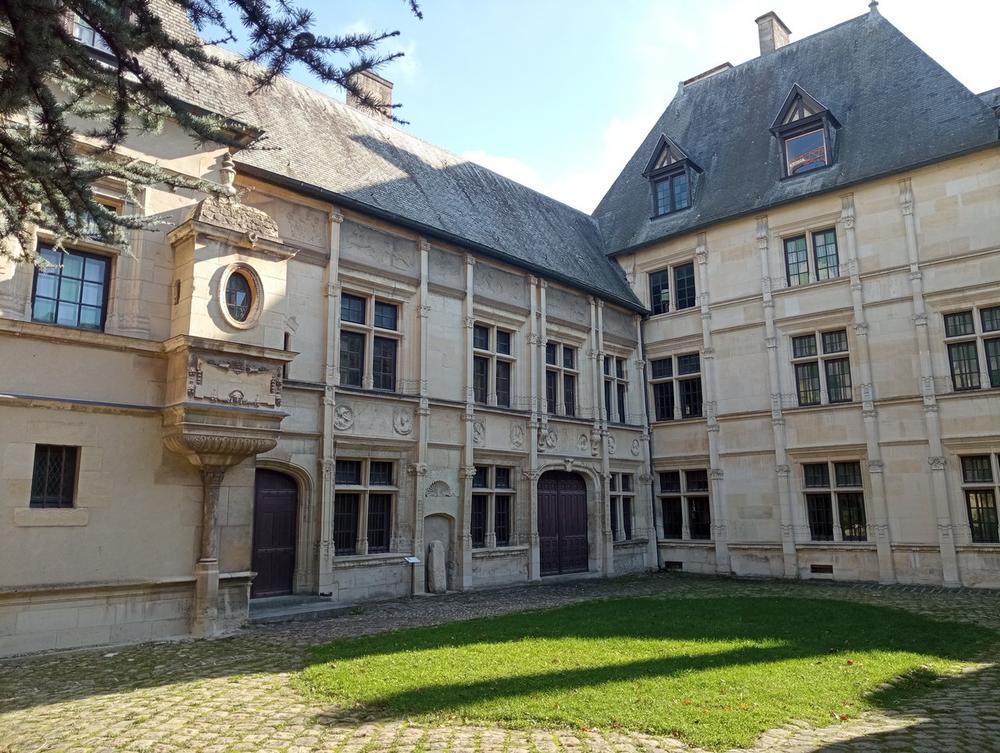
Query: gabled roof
point(897, 107)
point(314, 143)
point(678, 154)
point(809, 102)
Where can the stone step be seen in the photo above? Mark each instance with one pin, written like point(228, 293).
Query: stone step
point(294, 609)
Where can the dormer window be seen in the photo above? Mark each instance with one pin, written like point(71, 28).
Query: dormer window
point(85, 34)
point(804, 129)
point(669, 172)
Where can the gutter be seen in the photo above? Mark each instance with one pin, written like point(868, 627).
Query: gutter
point(333, 197)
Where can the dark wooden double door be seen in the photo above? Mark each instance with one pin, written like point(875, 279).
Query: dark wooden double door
point(562, 523)
point(276, 502)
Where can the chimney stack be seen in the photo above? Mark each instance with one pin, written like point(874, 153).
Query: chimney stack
point(773, 32)
point(378, 89)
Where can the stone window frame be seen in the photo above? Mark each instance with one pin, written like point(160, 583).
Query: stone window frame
point(670, 270)
point(370, 332)
point(492, 355)
point(561, 372)
point(622, 524)
point(812, 270)
point(674, 380)
point(832, 490)
point(985, 340)
point(613, 381)
point(491, 492)
point(686, 492)
point(363, 492)
point(821, 358)
point(990, 488)
point(256, 291)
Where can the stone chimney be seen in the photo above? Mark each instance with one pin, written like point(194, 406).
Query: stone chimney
point(773, 32)
point(378, 89)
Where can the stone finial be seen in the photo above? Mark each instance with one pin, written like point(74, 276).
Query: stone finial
point(873, 6)
point(227, 175)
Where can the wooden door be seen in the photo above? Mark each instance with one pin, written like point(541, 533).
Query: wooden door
point(562, 523)
point(274, 523)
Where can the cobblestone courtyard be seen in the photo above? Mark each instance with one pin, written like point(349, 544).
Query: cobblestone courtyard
point(234, 695)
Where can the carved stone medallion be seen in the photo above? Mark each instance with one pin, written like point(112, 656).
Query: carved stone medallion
point(343, 418)
point(402, 422)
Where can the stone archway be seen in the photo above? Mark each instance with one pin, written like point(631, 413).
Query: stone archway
point(563, 539)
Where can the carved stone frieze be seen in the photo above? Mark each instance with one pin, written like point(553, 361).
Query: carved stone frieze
point(234, 381)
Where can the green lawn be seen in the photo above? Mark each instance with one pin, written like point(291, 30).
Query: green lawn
point(713, 672)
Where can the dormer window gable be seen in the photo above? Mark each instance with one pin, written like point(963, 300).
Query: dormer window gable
point(670, 172)
point(804, 128)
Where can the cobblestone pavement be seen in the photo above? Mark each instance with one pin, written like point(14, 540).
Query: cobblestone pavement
point(233, 695)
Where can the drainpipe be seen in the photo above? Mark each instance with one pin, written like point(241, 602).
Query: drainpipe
point(649, 444)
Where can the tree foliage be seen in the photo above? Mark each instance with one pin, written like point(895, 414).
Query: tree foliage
point(80, 77)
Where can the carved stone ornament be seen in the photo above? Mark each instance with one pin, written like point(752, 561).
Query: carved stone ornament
point(517, 435)
point(612, 445)
point(439, 489)
point(233, 381)
point(936, 463)
point(402, 422)
point(636, 447)
point(343, 418)
point(583, 443)
point(716, 474)
point(478, 432)
point(418, 469)
point(783, 470)
point(547, 438)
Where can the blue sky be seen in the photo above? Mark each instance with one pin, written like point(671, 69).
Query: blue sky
point(557, 94)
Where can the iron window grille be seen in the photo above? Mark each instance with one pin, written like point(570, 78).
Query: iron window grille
point(685, 505)
point(53, 477)
point(365, 495)
point(622, 504)
point(492, 521)
point(980, 475)
point(835, 501)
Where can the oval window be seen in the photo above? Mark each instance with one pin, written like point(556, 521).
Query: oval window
point(239, 296)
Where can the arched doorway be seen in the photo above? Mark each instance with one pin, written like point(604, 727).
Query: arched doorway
point(562, 523)
point(275, 511)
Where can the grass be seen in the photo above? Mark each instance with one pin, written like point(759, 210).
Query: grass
point(712, 672)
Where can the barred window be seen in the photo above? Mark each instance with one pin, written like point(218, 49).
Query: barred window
point(492, 520)
point(979, 483)
point(685, 506)
point(53, 478)
point(835, 512)
point(621, 504)
point(365, 494)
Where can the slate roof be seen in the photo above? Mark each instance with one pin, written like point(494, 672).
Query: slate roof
point(314, 142)
point(897, 107)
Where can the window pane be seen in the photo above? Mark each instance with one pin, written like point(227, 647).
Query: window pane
point(682, 197)
point(958, 324)
point(46, 285)
point(482, 478)
point(503, 384)
point(662, 188)
point(44, 310)
point(796, 261)
point(662, 367)
point(825, 252)
point(550, 390)
point(627, 517)
point(569, 357)
point(90, 317)
point(569, 394)
point(689, 364)
point(804, 346)
point(345, 523)
point(480, 504)
point(990, 319)
point(53, 478)
point(983, 516)
point(670, 481)
point(820, 510)
point(673, 521)
point(964, 366)
point(480, 379)
point(690, 390)
point(620, 368)
point(93, 294)
point(684, 285)
point(976, 469)
point(352, 358)
point(608, 402)
point(659, 291)
point(838, 380)
point(806, 152)
point(238, 297)
point(626, 482)
point(807, 381)
point(352, 309)
point(551, 353)
point(696, 481)
point(384, 364)
point(481, 337)
point(613, 482)
point(502, 480)
point(817, 475)
point(386, 315)
point(501, 519)
point(614, 519)
point(503, 342)
point(94, 269)
point(699, 518)
point(67, 314)
point(835, 342)
point(853, 526)
point(622, 403)
point(72, 266)
point(348, 472)
point(992, 348)
point(847, 474)
point(379, 512)
point(380, 473)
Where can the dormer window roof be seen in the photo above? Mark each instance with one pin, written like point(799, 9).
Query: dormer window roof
point(669, 171)
point(804, 128)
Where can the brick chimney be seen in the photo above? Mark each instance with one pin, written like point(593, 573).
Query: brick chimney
point(773, 32)
point(378, 88)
